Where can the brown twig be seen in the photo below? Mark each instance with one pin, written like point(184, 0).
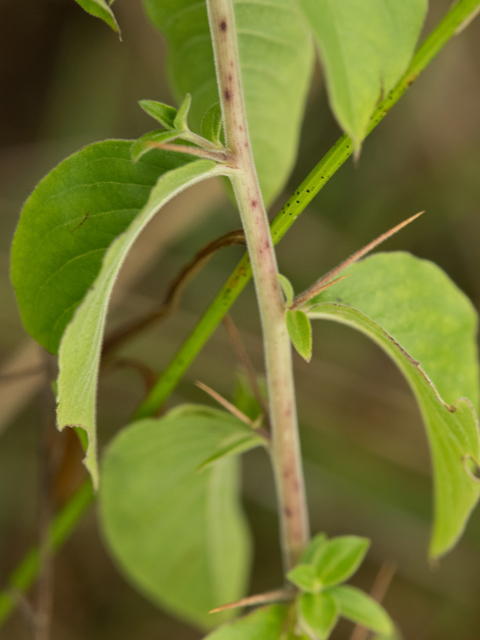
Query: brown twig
point(355, 257)
point(247, 363)
point(378, 592)
point(174, 292)
point(281, 595)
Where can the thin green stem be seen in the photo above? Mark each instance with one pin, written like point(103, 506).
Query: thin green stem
point(24, 575)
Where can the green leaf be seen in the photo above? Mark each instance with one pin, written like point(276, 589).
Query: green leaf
point(100, 9)
point(239, 442)
point(179, 536)
point(305, 577)
point(357, 606)
point(141, 146)
point(287, 289)
point(338, 559)
point(313, 546)
point(411, 309)
point(212, 124)
point(67, 225)
point(276, 57)
point(181, 119)
point(300, 332)
point(318, 614)
point(163, 113)
point(80, 348)
point(365, 47)
point(263, 624)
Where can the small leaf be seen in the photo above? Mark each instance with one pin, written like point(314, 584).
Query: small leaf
point(339, 558)
point(100, 9)
point(141, 146)
point(365, 48)
point(318, 614)
point(163, 113)
point(287, 289)
point(357, 606)
point(263, 624)
point(313, 546)
point(178, 535)
point(418, 316)
point(305, 577)
point(181, 119)
point(212, 124)
point(300, 332)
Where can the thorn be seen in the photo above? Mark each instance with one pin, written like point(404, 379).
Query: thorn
point(271, 596)
point(226, 404)
point(355, 257)
point(315, 290)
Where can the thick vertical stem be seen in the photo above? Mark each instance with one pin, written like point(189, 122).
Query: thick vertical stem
point(283, 418)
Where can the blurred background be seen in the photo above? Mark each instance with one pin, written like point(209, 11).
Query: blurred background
point(66, 81)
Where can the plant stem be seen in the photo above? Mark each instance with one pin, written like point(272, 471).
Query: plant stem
point(66, 521)
point(286, 456)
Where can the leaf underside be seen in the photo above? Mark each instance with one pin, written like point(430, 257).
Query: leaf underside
point(365, 47)
point(276, 57)
point(180, 536)
point(417, 315)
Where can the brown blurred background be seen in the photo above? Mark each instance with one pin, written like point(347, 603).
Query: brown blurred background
point(65, 81)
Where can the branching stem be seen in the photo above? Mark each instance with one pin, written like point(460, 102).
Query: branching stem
point(282, 410)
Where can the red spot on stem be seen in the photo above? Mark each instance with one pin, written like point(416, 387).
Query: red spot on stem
point(223, 25)
point(227, 95)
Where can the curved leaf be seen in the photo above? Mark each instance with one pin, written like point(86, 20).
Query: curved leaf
point(365, 46)
point(180, 536)
point(428, 327)
point(263, 624)
point(338, 559)
point(276, 59)
point(80, 348)
point(318, 614)
point(100, 9)
point(357, 606)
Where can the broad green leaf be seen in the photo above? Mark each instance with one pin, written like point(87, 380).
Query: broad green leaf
point(313, 546)
point(244, 439)
point(80, 348)
point(180, 536)
point(338, 559)
point(163, 113)
point(286, 288)
point(276, 57)
point(67, 225)
point(141, 146)
point(212, 124)
point(100, 9)
point(411, 309)
point(318, 614)
point(263, 624)
point(305, 578)
point(181, 119)
point(365, 47)
point(357, 606)
point(300, 332)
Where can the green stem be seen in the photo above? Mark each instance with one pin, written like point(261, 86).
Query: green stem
point(24, 575)
point(286, 457)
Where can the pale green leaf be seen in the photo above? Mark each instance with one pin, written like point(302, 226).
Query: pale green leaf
point(80, 348)
point(287, 289)
point(305, 578)
point(100, 9)
point(263, 624)
point(179, 536)
point(313, 546)
point(338, 559)
point(357, 606)
point(318, 614)
point(300, 332)
point(181, 119)
point(67, 225)
point(276, 57)
point(365, 47)
point(239, 442)
point(142, 146)
point(163, 113)
point(212, 124)
point(428, 327)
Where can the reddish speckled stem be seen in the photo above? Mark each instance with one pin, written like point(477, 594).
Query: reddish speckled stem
point(283, 417)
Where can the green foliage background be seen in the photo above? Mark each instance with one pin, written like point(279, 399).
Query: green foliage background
point(67, 82)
